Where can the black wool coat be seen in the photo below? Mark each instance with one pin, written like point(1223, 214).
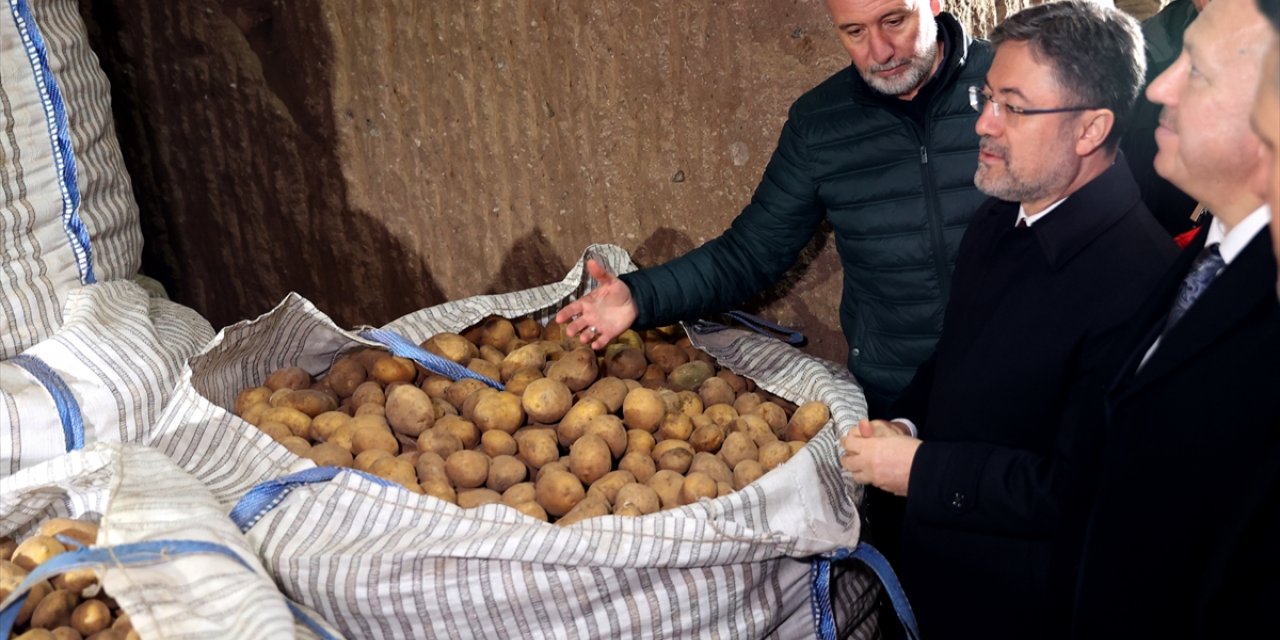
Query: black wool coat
point(1004, 405)
point(1184, 541)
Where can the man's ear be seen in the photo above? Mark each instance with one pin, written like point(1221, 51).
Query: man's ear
point(935, 6)
point(1095, 125)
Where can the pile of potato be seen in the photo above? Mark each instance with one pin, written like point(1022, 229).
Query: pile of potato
point(71, 606)
point(648, 423)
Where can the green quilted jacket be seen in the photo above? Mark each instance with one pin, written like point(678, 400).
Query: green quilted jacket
point(898, 191)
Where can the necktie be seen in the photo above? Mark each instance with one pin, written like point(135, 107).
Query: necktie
point(1207, 265)
point(1022, 224)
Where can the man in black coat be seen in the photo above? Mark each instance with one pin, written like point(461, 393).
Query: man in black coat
point(1047, 272)
point(1184, 539)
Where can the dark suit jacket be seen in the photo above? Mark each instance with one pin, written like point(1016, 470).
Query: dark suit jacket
point(1185, 537)
point(1019, 365)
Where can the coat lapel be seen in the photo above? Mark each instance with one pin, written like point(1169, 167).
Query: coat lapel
point(1249, 281)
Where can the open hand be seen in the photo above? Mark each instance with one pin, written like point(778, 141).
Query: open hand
point(603, 314)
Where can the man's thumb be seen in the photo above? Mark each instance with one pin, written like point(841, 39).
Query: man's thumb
point(864, 428)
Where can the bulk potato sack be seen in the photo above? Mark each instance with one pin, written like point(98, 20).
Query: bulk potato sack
point(165, 551)
point(88, 349)
point(379, 561)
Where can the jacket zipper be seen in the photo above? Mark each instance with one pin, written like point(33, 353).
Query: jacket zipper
point(935, 216)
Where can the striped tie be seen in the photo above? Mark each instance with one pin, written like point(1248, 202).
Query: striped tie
point(1204, 269)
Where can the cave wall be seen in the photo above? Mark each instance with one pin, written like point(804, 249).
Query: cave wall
point(381, 157)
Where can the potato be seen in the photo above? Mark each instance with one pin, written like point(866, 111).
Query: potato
point(505, 471)
point(458, 392)
point(467, 469)
point(624, 362)
point(807, 421)
point(253, 415)
point(559, 492)
point(250, 397)
point(577, 369)
point(65, 633)
point(667, 484)
point(664, 446)
point(464, 430)
point(531, 509)
point(756, 428)
point(36, 550)
point(409, 410)
point(452, 346)
point(723, 489)
point(328, 454)
point(396, 470)
point(677, 460)
point(366, 438)
point(522, 378)
point(297, 446)
point(611, 391)
point(643, 409)
point(715, 390)
point(774, 415)
point(342, 437)
point(11, 575)
point(746, 472)
point(527, 328)
point(671, 401)
point(667, 356)
point(370, 409)
point(288, 378)
point(440, 442)
point(298, 422)
point(607, 486)
point(589, 507)
point(430, 466)
point(553, 467)
point(364, 461)
point(325, 424)
point(690, 375)
point(652, 378)
point(498, 443)
point(90, 617)
point(500, 410)
point(639, 440)
point(639, 464)
point(434, 385)
point(536, 449)
point(546, 400)
point(309, 401)
point(738, 447)
point(736, 382)
point(275, 430)
point(34, 596)
point(574, 423)
point(485, 368)
point(697, 485)
point(440, 489)
point(675, 426)
point(76, 580)
point(368, 393)
point(38, 634)
point(472, 498)
point(709, 437)
point(54, 610)
point(345, 375)
point(637, 496)
point(122, 622)
point(747, 403)
point(82, 531)
point(519, 492)
point(721, 414)
point(796, 446)
point(688, 403)
point(712, 466)
point(526, 357)
point(773, 454)
point(590, 458)
point(497, 332)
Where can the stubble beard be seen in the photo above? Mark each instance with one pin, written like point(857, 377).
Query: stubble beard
point(920, 65)
point(1012, 187)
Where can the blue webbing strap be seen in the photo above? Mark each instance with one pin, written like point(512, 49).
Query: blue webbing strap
point(820, 590)
point(60, 137)
point(137, 553)
point(401, 347)
point(755, 323)
point(63, 399)
point(264, 496)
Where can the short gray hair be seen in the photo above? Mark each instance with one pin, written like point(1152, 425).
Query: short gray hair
point(1095, 50)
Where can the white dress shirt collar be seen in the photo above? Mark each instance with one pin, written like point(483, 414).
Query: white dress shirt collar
point(1022, 213)
point(1231, 243)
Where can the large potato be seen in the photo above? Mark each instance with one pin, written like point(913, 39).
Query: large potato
point(409, 410)
point(590, 458)
point(558, 492)
point(467, 469)
point(452, 346)
point(546, 400)
point(643, 409)
point(501, 410)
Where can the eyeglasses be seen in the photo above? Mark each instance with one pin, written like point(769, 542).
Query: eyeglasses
point(979, 100)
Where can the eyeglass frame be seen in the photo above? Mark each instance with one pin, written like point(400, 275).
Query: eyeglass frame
point(978, 102)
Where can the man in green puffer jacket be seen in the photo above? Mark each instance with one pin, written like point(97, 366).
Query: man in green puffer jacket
point(885, 150)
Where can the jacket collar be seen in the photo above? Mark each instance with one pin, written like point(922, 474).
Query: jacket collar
point(1084, 215)
point(955, 53)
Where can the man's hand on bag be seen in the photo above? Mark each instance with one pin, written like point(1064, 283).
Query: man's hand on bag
point(878, 453)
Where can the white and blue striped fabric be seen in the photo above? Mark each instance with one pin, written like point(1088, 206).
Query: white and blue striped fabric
point(166, 551)
point(68, 217)
point(380, 562)
point(87, 351)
